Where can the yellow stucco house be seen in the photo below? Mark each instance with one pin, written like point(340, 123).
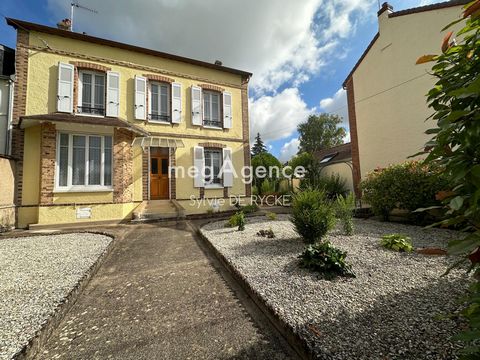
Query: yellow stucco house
point(386, 91)
point(101, 126)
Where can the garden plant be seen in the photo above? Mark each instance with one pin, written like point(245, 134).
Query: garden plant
point(344, 207)
point(454, 147)
point(397, 242)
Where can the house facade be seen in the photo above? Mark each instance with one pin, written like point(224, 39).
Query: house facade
point(386, 91)
point(102, 127)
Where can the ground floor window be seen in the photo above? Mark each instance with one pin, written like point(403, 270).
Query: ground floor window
point(83, 161)
point(213, 164)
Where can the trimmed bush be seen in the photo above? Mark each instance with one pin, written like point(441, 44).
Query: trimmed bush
point(326, 259)
point(409, 186)
point(344, 207)
point(312, 215)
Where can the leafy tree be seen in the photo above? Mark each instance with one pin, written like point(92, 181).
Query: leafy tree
point(455, 99)
point(268, 161)
point(320, 132)
point(259, 147)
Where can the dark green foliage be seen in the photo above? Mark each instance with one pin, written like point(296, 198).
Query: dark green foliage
point(269, 234)
point(397, 242)
point(344, 207)
point(326, 259)
point(271, 216)
point(320, 132)
point(312, 215)
point(248, 209)
point(409, 186)
point(236, 219)
point(455, 100)
point(267, 161)
point(241, 221)
point(333, 186)
point(259, 147)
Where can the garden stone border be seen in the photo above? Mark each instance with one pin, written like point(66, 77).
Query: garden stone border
point(287, 331)
point(41, 336)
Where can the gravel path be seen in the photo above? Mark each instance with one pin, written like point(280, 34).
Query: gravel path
point(389, 311)
point(36, 275)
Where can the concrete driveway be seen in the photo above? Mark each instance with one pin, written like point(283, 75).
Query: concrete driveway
point(159, 295)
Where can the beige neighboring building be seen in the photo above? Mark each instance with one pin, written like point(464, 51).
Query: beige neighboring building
point(337, 160)
point(386, 90)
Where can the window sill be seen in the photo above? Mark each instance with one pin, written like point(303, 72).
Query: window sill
point(89, 115)
point(160, 122)
point(81, 189)
point(212, 127)
point(214, 186)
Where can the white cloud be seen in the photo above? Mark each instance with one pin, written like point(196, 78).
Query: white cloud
point(427, 2)
point(276, 117)
point(289, 149)
point(279, 41)
point(337, 104)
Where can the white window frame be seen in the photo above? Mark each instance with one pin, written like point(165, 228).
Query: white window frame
point(82, 188)
point(210, 104)
point(80, 91)
point(169, 100)
point(211, 184)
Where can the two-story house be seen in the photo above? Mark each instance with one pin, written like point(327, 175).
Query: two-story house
point(100, 127)
point(386, 91)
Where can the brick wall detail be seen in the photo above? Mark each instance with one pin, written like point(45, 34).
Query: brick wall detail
point(90, 66)
point(352, 119)
point(211, 87)
point(246, 132)
point(173, 178)
point(160, 78)
point(19, 109)
point(47, 162)
point(212, 145)
point(123, 166)
point(145, 174)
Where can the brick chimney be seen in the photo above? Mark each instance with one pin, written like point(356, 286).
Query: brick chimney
point(383, 13)
point(65, 24)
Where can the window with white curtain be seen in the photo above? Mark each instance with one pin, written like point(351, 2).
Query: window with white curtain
point(159, 102)
point(83, 161)
point(213, 164)
point(211, 109)
point(91, 99)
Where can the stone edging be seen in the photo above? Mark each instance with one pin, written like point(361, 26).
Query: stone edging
point(31, 350)
point(288, 332)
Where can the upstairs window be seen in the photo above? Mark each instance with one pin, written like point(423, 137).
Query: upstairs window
point(159, 102)
point(211, 109)
point(91, 93)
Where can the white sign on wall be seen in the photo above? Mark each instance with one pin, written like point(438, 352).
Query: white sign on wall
point(84, 213)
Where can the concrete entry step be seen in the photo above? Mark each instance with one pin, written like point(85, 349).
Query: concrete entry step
point(158, 210)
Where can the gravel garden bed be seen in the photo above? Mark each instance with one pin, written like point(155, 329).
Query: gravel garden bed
point(392, 309)
point(36, 275)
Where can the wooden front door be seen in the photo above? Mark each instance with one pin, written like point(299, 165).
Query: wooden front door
point(158, 176)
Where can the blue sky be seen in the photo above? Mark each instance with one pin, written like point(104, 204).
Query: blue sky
point(300, 52)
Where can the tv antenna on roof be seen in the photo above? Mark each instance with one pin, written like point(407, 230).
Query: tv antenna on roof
point(78, 6)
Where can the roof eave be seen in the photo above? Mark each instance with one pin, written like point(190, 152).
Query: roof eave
point(15, 23)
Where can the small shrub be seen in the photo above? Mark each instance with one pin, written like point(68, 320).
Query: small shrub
point(254, 190)
point(326, 259)
point(409, 186)
point(271, 216)
point(248, 209)
point(333, 186)
point(266, 233)
point(312, 215)
point(344, 208)
point(241, 221)
point(235, 219)
point(268, 186)
point(397, 242)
